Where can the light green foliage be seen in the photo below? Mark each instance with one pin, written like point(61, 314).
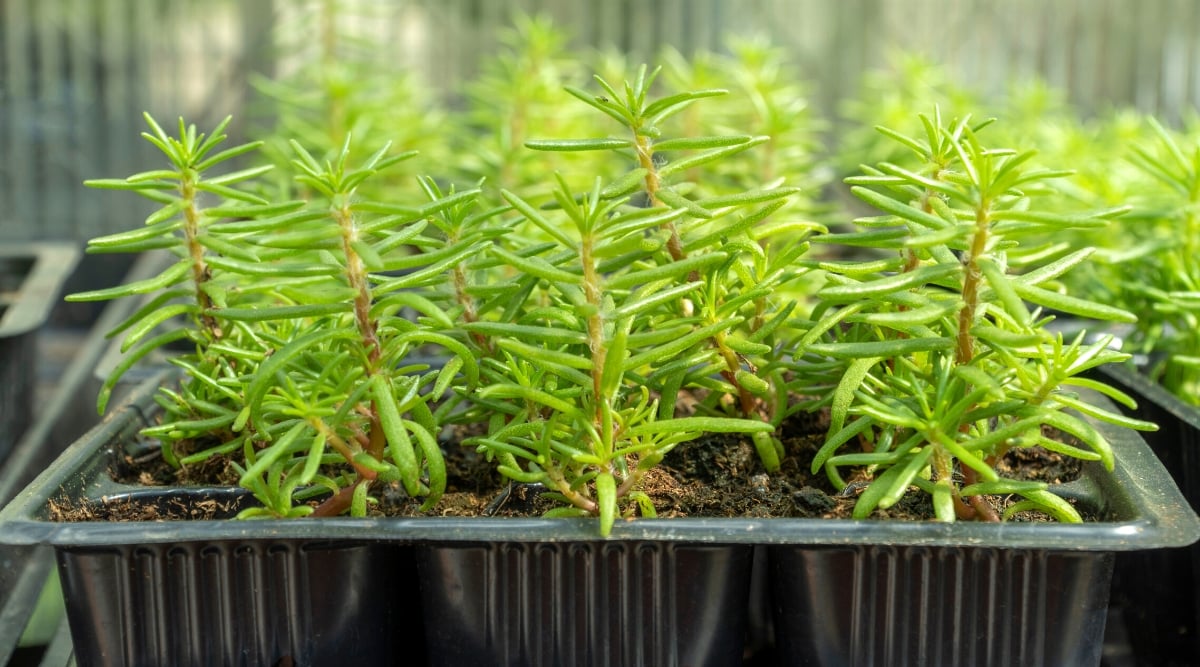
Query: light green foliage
point(631, 272)
point(892, 96)
point(936, 360)
point(768, 99)
point(672, 294)
point(517, 95)
point(305, 375)
point(1155, 268)
point(575, 416)
point(335, 84)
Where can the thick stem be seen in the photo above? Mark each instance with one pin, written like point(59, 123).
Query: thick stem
point(341, 447)
point(645, 153)
point(339, 502)
point(733, 364)
point(595, 322)
point(356, 276)
point(574, 497)
point(983, 511)
point(469, 314)
point(200, 271)
point(965, 349)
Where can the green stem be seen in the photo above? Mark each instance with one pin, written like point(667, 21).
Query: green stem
point(356, 275)
point(200, 270)
point(645, 154)
point(965, 350)
point(595, 323)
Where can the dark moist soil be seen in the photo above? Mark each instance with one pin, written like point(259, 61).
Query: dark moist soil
point(716, 476)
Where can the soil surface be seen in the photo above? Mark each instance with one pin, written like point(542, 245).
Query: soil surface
point(715, 476)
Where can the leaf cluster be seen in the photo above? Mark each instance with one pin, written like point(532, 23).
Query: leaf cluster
point(929, 358)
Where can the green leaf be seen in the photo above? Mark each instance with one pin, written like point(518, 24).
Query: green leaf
point(399, 443)
point(1073, 305)
point(607, 107)
point(909, 318)
point(267, 457)
point(1056, 268)
point(625, 185)
point(268, 313)
point(1105, 415)
point(665, 271)
point(241, 175)
point(882, 486)
point(676, 200)
point(1002, 487)
point(843, 395)
point(128, 361)
point(532, 395)
point(541, 355)
point(606, 501)
point(172, 275)
point(670, 350)
point(435, 465)
point(227, 154)
point(912, 467)
point(126, 184)
point(639, 305)
point(152, 320)
point(749, 197)
point(883, 348)
point(1057, 507)
point(264, 377)
point(132, 236)
point(613, 372)
point(229, 193)
point(714, 155)
point(1006, 340)
point(665, 107)
point(538, 267)
point(889, 205)
point(1082, 430)
point(835, 440)
point(537, 218)
point(1055, 220)
point(696, 426)
point(571, 145)
point(699, 143)
point(1004, 289)
point(528, 332)
point(880, 286)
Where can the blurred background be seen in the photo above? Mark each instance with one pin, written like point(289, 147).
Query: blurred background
point(75, 75)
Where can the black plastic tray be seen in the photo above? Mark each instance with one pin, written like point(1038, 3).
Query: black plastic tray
point(1145, 510)
point(1158, 592)
point(31, 275)
point(1012, 575)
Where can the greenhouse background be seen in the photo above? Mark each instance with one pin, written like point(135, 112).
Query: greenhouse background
point(75, 75)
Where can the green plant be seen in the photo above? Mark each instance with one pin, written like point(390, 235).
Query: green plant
point(929, 358)
point(669, 296)
point(1156, 272)
point(301, 371)
point(334, 82)
point(768, 98)
point(892, 96)
point(512, 99)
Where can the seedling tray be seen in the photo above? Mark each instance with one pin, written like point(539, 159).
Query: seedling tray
point(31, 275)
point(1159, 591)
point(845, 589)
